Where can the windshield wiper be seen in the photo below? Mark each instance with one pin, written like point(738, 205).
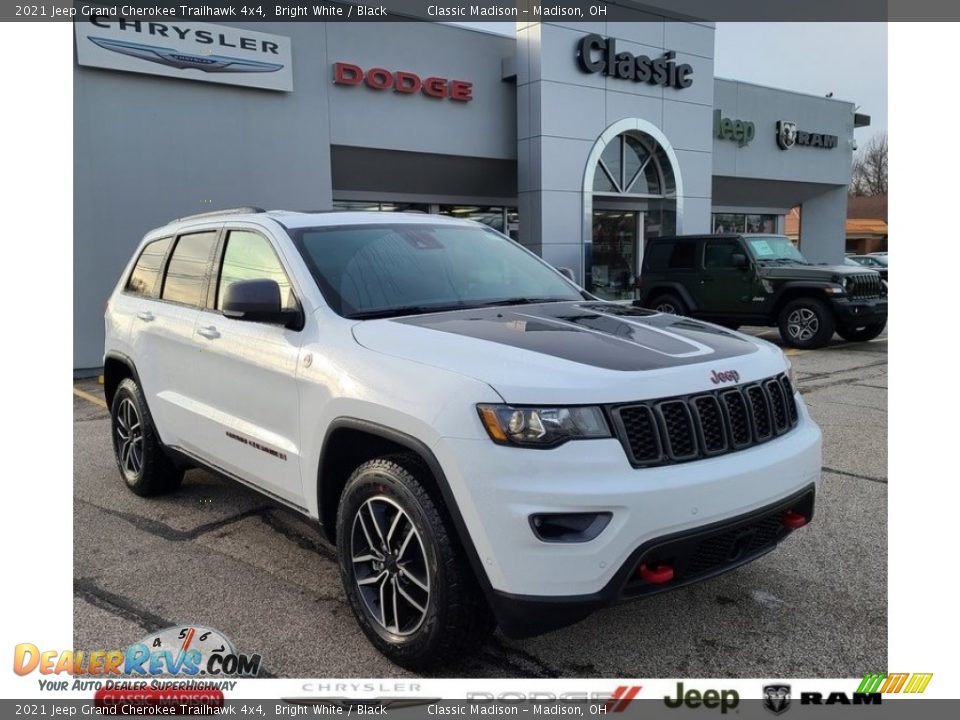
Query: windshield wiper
point(403, 310)
point(518, 301)
point(426, 309)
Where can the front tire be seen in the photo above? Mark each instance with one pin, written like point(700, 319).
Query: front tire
point(140, 456)
point(405, 575)
point(806, 323)
point(862, 333)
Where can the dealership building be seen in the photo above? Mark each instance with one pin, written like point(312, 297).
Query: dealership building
point(581, 140)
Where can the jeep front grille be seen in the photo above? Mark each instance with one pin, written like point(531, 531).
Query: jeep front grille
point(865, 286)
point(690, 427)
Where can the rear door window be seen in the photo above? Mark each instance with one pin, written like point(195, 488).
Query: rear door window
point(143, 279)
point(719, 253)
point(671, 256)
point(185, 281)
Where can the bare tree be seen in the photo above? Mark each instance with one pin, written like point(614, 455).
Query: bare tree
point(869, 173)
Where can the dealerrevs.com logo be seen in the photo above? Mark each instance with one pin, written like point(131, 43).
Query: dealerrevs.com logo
point(179, 651)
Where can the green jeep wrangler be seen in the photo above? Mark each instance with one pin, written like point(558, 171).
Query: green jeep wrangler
point(736, 280)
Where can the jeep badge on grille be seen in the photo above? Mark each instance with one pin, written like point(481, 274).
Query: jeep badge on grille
point(724, 376)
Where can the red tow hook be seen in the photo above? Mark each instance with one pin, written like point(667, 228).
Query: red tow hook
point(656, 575)
point(793, 520)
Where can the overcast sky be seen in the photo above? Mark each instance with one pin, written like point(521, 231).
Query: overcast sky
point(847, 59)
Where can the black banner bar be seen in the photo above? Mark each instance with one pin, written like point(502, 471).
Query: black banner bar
point(490, 11)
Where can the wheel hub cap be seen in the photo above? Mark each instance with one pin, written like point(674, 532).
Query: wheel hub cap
point(803, 324)
point(390, 566)
point(129, 437)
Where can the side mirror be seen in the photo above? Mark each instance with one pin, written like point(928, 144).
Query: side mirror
point(567, 273)
point(739, 260)
point(258, 301)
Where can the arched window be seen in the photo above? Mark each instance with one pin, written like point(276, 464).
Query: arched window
point(635, 165)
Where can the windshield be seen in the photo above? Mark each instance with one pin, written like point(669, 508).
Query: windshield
point(773, 248)
point(367, 271)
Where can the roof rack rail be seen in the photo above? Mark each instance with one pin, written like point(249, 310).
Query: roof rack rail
point(225, 211)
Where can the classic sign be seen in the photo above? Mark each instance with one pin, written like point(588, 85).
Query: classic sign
point(596, 54)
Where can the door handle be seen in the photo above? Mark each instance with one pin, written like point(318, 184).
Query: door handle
point(146, 316)
point(706, 279)
point(209, 332)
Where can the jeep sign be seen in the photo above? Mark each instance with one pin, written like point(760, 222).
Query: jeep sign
point(739, 131)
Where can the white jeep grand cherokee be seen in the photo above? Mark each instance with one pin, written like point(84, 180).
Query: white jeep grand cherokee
point(485, 442)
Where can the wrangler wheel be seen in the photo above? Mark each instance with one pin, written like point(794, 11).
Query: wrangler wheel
point(806, 323)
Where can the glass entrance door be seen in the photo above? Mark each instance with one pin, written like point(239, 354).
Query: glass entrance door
point(614, 261)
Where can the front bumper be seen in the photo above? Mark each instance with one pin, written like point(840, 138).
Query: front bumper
point(497, 489)
point(693, 555)
point(851, 311)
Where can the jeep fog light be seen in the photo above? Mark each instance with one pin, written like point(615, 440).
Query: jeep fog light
point(542, 426)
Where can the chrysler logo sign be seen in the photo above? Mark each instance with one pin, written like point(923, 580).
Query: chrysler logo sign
point(788, 135)
point(182, 60)
point(599, 55)
point(187, 50)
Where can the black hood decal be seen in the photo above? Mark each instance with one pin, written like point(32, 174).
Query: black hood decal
point(605, 335)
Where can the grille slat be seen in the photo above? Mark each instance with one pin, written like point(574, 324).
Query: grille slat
point(759, 413)
point(679, 433)
point(713, 433)
point(778, 405)
point(791, 402)
point(867, 285)
point(638, 426)
point(680, 429)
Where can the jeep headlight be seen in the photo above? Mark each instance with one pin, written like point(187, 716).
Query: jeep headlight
point(542, 426)
point(792, 376)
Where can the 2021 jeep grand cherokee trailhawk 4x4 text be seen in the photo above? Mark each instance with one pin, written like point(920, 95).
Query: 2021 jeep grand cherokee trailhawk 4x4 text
point(762, 280)
point(482, 440)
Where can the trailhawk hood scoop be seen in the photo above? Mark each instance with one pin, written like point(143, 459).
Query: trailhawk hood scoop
point(597, 334)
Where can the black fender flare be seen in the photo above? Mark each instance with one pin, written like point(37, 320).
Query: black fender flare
point(418, 446)
point(126, 360)
point(816, 288)
point(672, 287)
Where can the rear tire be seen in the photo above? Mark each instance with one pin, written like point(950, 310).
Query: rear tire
point(141, 459)
point(407, 579)
point(862, 333)
point(806, 323)
point(669, 304)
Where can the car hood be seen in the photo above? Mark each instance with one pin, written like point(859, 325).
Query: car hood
point(573, 352)
point(811, 272)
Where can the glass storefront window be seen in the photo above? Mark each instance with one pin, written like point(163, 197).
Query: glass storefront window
point(744, 223)
point(503, 219)
point(374, 206)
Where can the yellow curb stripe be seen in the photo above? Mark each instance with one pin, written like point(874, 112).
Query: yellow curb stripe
point(90, 398)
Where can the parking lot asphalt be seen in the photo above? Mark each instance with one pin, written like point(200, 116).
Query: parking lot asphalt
point(218, 554)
